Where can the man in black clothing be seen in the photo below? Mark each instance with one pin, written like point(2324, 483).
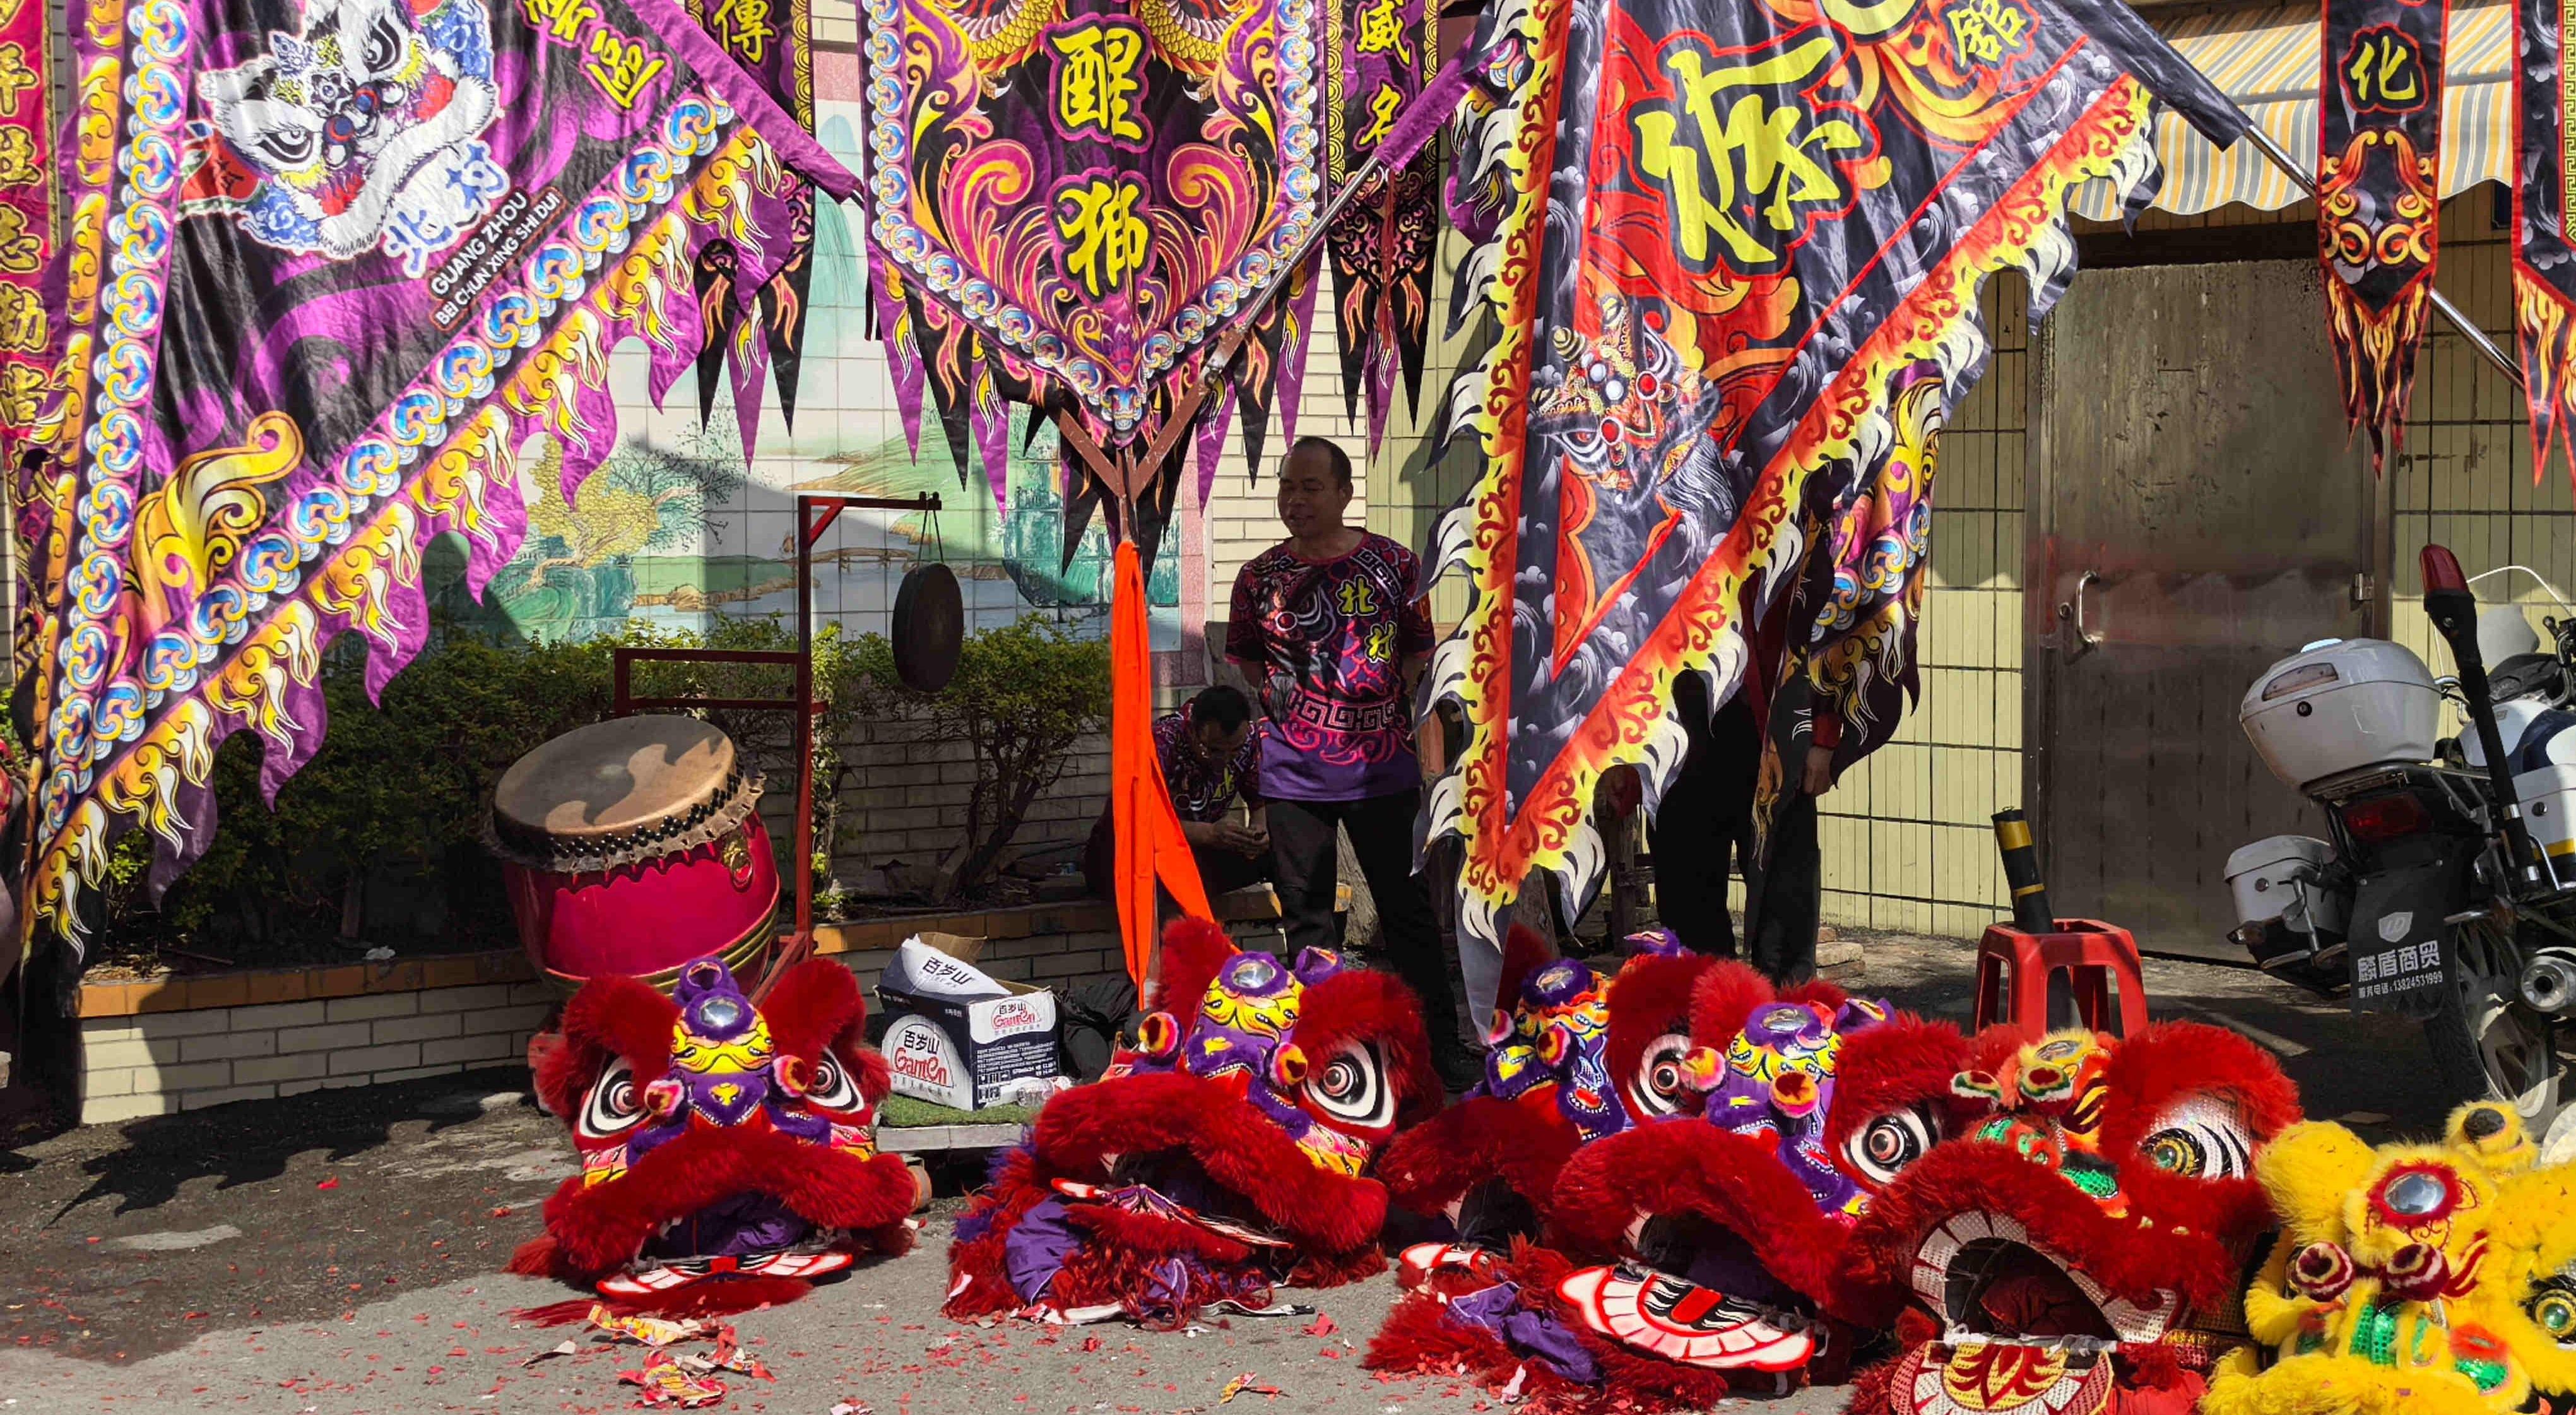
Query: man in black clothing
point(1706, 818)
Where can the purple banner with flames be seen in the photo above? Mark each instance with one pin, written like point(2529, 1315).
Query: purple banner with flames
point(1071, 205)
point(335, 271)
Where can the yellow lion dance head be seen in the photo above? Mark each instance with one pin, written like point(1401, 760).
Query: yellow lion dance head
point(2410, 1279)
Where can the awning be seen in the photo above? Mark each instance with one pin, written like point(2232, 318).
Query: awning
point(2266, 59)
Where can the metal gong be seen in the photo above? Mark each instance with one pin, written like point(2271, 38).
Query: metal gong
point(929, 622)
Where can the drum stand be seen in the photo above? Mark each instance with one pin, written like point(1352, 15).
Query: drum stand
point(815, 513)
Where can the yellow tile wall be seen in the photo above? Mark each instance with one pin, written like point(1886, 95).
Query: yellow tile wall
point(2465, 479)
point(1906, 837)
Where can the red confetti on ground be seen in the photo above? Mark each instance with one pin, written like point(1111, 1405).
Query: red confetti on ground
point(194, 1317)
point(1331, 1355)
point(1321, 1326)
point(1091, 1343)
point(331, 1183)
point(500, 1211)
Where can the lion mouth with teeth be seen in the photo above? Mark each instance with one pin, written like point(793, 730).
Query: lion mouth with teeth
point(1700, 1250)
point(1221, 1157)
point(728, 1149)
point(2080, 1250)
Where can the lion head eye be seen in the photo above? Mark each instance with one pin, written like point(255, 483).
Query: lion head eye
point(1350, 1087)
point(1663, 1077)
point(2201, 1139)
point(1884, 1147)
point(831, 1087)
point(614, 1105)
point(2552, 1308)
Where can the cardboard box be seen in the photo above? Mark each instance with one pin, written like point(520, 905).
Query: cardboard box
point(958, 1038)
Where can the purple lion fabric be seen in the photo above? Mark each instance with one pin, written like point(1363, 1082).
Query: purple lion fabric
point(1498, 1309)
point(355, 258)
point(1326, 645)
point(1037, 1248)
point(1777, 1080)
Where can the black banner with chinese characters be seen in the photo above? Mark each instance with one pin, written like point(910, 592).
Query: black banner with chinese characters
point(772, 40)
point(1381, 53)
point(2544, 211)
point(2379, 153)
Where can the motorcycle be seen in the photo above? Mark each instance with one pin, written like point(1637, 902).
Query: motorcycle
point(2447, 889)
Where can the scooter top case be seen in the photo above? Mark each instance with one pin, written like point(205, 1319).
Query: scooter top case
point(2340, 705)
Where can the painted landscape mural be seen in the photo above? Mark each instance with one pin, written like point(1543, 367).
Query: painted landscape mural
point(678, 525)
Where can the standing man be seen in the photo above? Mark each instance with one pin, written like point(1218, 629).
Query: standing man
point(1785, 906)
point(1328, 628)
point(1706, 818)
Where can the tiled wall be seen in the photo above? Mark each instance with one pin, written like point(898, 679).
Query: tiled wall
point(155, 1063)
point(2465, 480)
point(1907, 837)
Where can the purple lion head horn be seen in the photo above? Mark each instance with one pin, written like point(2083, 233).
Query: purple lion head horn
point(711, 1001)
point(1654, 943)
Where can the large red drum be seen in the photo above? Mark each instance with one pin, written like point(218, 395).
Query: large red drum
point(632, 846)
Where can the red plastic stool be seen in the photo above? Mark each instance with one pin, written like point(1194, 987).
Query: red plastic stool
point(2013, 969)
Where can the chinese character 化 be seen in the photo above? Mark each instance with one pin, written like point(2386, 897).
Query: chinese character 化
point(1099, 72)
point(620, 66)
point(2384, 70)
point(1105, 239)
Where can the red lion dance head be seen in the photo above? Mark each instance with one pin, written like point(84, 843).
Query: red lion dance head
point(1574, 1056)
point(1220, 1158)
point(728, 1151)
point(2083, 1249)
point(1704, 1247)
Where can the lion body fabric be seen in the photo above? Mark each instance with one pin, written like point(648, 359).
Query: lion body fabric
point(1683, 1194)
point(1223, 1156)
point(728, 1148)
point(2411, 1279)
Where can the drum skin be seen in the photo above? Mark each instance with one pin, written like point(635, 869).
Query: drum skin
point(633, 846)
point(645, 920)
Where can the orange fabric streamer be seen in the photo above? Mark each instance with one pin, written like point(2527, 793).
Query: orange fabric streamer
point(1150, 847)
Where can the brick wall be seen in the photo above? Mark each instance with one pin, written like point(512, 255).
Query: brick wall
point(171, 1044)
point(905, 807)
point(155, 1063)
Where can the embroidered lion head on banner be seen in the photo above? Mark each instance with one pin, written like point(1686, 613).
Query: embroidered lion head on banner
point(2083, 1247)
point(728, 1150)
point(1222, 1156)
point(2410, 1279)
point(1704, 1248)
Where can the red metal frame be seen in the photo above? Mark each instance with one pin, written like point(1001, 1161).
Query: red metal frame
point(809, 528)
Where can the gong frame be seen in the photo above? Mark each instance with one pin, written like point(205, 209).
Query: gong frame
point(815, 513)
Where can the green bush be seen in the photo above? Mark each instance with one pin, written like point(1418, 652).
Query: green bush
point(379, 837)
point(1024, 694)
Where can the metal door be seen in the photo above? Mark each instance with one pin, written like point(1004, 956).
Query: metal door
point(2197, 512)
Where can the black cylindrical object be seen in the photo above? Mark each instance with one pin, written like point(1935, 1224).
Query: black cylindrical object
point(2021, 872)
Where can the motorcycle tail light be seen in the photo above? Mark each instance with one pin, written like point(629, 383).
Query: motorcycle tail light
point(2386, 817)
